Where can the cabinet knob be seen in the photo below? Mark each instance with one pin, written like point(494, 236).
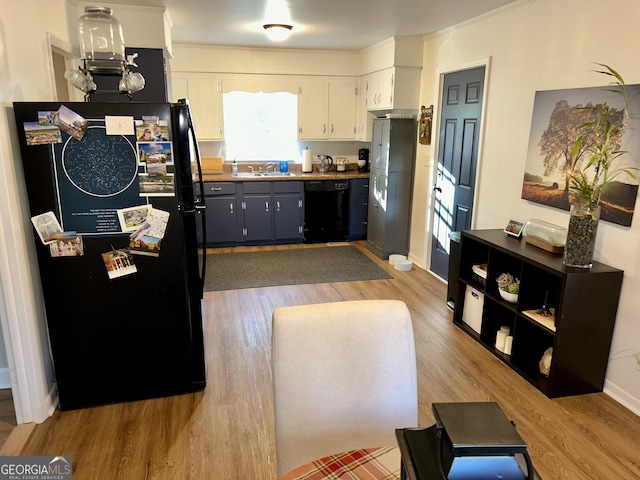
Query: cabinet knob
point(278, 206)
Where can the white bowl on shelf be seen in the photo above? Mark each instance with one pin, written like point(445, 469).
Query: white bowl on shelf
point(509, 297)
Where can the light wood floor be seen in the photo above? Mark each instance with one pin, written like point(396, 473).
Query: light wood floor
point(226, 432)
point(7, 414)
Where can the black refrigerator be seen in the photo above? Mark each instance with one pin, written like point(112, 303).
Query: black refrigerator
point(110, 189)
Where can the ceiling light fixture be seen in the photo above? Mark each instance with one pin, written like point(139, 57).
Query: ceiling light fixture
point(277, 31)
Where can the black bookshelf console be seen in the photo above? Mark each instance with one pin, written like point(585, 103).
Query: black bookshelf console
point(584, 301)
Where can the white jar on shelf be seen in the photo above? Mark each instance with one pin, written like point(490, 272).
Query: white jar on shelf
point(545, 235)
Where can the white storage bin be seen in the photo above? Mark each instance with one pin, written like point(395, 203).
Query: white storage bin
point(473, 303)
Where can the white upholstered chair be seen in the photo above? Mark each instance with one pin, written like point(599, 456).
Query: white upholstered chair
point(344, 378)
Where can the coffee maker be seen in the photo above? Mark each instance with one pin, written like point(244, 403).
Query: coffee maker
point(363, 160)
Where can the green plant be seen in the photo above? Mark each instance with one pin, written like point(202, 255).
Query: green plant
point(508, 283)
point(600, 144)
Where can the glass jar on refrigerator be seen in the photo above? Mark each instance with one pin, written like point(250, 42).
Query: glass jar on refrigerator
point(101, 40)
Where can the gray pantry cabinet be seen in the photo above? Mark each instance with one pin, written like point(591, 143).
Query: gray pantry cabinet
point(393, 151)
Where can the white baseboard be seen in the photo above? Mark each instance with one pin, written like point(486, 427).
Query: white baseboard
point(53, 399)
point(5, 378)
point(417, 261)
point(622, 397)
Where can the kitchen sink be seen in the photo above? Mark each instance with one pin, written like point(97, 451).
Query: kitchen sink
point(263, 174)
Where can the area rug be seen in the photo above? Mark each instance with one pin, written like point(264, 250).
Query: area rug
point(229, 271)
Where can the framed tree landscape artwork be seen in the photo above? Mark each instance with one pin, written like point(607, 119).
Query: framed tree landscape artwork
point(559, 119)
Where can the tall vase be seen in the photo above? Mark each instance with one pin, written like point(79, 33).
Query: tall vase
point(581, 236)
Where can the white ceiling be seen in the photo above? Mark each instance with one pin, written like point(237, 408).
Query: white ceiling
point(318, 24)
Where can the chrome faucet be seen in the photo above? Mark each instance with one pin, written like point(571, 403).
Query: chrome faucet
point(267, 166)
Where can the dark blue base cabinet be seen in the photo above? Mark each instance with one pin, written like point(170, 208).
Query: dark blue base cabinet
point(253, 213)
point(222, 212)
point(358, 208)
point(270, 213)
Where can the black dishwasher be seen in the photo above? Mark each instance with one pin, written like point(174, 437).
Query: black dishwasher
point(326, 211)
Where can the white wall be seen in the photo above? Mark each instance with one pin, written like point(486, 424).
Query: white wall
point(143, 27)
point(25, 75)
point(200, 58)
point(541, 45)
point(5, 377)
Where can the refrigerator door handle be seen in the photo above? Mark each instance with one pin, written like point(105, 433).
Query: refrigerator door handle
point(199, 202)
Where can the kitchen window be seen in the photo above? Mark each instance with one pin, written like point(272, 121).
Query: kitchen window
point(260, 126)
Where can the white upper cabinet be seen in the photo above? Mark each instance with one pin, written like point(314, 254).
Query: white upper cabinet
point(205, 100)
point(313, 109)
point(363, 117)
point(326, 106)
point(393, 88)
point(379, 87)
point(327, 109)
point(342, 109)
point(334, 102)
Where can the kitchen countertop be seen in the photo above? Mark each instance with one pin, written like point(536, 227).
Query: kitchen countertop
point(226, 176)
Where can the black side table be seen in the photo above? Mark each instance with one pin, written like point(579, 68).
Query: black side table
point(470, 441)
